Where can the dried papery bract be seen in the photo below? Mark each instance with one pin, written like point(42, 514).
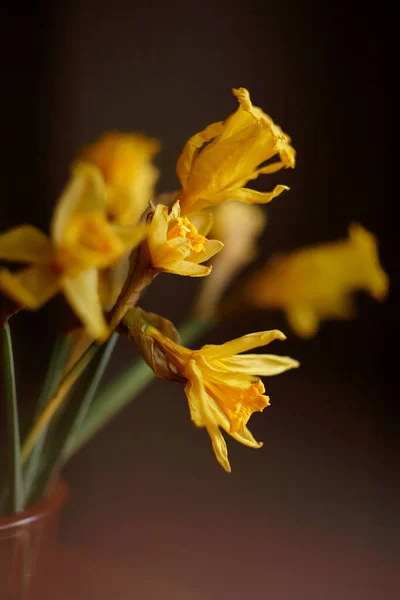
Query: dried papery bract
point(135, 324)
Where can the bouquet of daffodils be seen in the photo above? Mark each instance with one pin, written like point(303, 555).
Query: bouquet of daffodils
point(109, 238)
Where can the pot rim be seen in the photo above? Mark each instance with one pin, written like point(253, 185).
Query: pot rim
point(47, 505)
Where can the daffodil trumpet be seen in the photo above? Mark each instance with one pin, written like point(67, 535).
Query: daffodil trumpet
point(216, 164)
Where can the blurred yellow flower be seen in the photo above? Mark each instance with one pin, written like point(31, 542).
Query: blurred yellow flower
point(176, 245)
point(238, 226)
point(317, 283)
point(222, 389)
point(216, 163)
point(82, 242)
point(124, 160)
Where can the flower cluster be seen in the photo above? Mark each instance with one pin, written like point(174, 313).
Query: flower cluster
point(110, 235)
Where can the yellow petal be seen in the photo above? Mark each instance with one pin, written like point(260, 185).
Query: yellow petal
point(260, 364)
point(25, 244)
point(124, 160)
point(303, 320)
point(203, 221)
point(219, 447)
point(30, 287)
point(130, 236)
point(84, 193)
point(202, 414)
point(82, 294)
point(246, 438)
point(158, 228)
point(242, 344)
point(89, 241)
point(194, 389)
point(249, 196)
point(191, 148)
point(184, 267)
point(211, 247)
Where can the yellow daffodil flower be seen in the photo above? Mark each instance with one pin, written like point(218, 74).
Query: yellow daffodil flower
point(82, 242)
point(238, 226)
point(124, 160)
point(176, 245)
point(222, 389)
point(317, 283)
point(216, 163)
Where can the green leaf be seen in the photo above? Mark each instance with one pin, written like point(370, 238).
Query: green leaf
point(57, 400)
point(62, 435)
point(16, 486)
point(53, 377)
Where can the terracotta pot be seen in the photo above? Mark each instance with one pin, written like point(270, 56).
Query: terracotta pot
point(27, 541)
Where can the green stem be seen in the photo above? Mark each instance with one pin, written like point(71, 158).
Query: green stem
point(56, 400)
point(61, 438)
point(7, 364)
point(53, 377)
point(99, 368)
point(124, 388)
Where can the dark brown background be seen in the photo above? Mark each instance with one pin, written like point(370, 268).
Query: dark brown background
point(312, 514)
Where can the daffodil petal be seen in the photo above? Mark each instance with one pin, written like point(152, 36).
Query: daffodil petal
point(159, 227)
point(30, 287)
point(203, 221)
point(191, 147)
point(246, 438)
point(83, 296)
point(219, 447)
point(25, 244)
point(194, 389)
point(261, 364)
point(242, 344)
point(249, 196)
point(202, 414)
point(211, 247)
point(184, 267)
point(84, 193)
point(269, 169)
point(129, 235)
point(303, 320)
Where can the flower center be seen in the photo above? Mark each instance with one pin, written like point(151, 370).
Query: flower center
point(89, 241)
point(181, 227)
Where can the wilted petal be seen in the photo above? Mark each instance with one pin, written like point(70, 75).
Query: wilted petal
point(211, 247)
point(82, 294)
point(219, 446)
point(260, 364)
point(203, 221)
point(129, 235)
point(30, 287)
point(242, 344)
point(195, 390)
point(25, 244)
point(303, 320)
point(250, 196)
point(84, 193)
point(183, 267)
point(158, 227)
point(191, 148)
